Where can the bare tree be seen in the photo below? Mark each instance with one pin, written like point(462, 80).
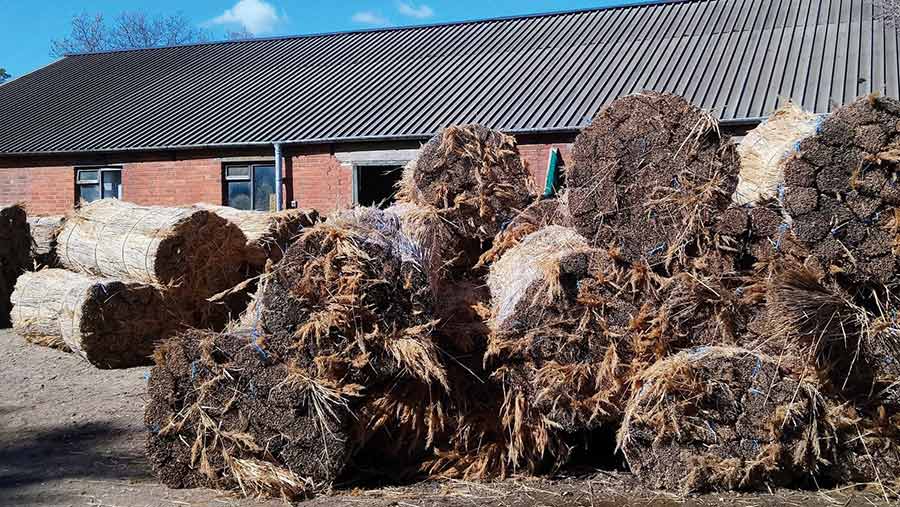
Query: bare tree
point(88, 35)
point(136, 30)
point(3, 75)
point(91, 33)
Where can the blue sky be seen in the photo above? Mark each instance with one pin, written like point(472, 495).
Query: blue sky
point(27, 26)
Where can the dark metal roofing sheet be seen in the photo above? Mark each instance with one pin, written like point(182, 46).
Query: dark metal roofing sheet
point(553, 72)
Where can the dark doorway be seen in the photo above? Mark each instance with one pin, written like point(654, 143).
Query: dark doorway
point(376, 184)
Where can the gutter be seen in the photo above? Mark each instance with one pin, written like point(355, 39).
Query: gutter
point(279, 169)
point(324, 140)
point(741, 122)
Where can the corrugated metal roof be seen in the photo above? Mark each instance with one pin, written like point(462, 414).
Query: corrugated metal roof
point(539, 73)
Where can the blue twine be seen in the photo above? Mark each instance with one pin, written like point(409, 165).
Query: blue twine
point(644, 388)
point(739, 291)
point(756, 391)
point(756, 369)
point(146, 376)
point(783, 228)
point(254, 336)
point(657, 249)
point(698, 352)
point(820, 119)
point(262, 353)
point(194, 369)
point(711, 430)
point(781, 192)
point(153, 428)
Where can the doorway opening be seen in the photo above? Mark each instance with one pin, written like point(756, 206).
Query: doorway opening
point(375, 185)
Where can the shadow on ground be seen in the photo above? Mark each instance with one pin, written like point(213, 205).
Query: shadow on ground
point(72, 451)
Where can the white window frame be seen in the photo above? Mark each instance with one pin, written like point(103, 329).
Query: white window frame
point(98, 181)
point(251, 170)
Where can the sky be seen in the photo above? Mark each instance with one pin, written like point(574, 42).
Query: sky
point(28, 26)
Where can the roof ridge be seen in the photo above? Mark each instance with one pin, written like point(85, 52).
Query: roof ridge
point(627, 4)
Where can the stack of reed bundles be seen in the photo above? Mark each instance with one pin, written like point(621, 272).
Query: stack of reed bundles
point(191, 253)
point(110, 323)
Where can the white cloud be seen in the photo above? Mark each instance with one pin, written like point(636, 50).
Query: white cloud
point(257, 16)
point(415, 11)
point(370, 18)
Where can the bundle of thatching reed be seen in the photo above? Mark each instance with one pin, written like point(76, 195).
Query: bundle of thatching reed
point(842, 193)
point(43, 238)
point(854, 345)
point(354, 302)
point(857, 349)
point(651, 175)
point(15, 254)
point(764, 149)
point(342, 329)
point(556, 329)
point(473, 179)
point(190, 250)
point(110, 323)
point(717, 418)
point(268, 234)
point(224, 413)
point(379, 321)
point(354, 287)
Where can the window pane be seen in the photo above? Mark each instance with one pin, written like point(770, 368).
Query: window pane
point(112, 184)
point(87, 175)
point(89, 193)
point(239, 195)
point(237, 172)
point(264, 188)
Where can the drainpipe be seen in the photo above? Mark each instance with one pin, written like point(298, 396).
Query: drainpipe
point(279, 168)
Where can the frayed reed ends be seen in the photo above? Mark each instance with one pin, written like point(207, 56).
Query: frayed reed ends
point(716, 418)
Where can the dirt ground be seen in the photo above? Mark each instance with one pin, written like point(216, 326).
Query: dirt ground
point(71, 435)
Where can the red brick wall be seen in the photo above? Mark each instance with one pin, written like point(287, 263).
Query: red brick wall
point(45, 190)
point(173, 182)
point(536, 157)
point(15, 185)
point(318, 180)
point(313, 177)
point(52, 190)
point(48, 190)
point(47, 186)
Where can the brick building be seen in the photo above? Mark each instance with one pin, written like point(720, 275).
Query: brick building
point(335, 115)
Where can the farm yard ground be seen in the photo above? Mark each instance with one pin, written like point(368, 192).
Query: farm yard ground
point(72, 435)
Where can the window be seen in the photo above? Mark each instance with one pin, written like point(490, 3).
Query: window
point(375, 185)
point(250, 187)
point(98, 183)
